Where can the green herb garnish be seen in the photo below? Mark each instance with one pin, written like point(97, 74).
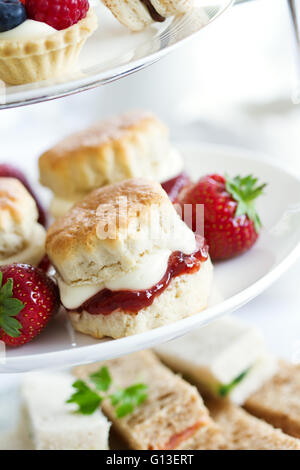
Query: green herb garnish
point(102, 379)
point(123, 400)
point(224, 390)
point(88, 400)
point(245, 191)
point(128, 399)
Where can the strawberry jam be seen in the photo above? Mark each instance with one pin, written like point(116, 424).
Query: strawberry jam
point(106, 301)
point(45, 264)
point(175, 185)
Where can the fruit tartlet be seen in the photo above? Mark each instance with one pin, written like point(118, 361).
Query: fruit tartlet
point(42, 39)
point(22, 238)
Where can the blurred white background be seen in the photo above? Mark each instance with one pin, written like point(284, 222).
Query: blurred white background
point(232, 84)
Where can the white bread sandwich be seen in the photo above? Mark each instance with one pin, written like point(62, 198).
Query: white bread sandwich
point(132, 145)
point(278, 400)
point(52, 423)
point(242, 431)
point(225, 359)
point(172, 417)
point(22, 238)
point(126, 263)
point(137, 14)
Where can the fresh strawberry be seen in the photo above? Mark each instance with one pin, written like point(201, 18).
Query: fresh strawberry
point(231, 223)
point(9, 171)
point(28, 300)
point(175, 185)
point(60, 14)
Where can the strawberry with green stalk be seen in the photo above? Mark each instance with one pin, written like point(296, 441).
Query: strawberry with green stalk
point(28, 300)
point(231, 222)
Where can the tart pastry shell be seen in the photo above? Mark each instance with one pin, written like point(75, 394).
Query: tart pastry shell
point(33, 60)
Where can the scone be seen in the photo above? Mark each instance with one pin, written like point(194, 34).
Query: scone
point(132, 145)
point(137, 14)
point(22, 238)
point(126, 263)
point(38, 45)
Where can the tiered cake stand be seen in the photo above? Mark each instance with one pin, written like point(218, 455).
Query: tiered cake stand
point(112, 53)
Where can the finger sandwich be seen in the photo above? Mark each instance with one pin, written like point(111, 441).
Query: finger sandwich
point(52, 423)
point(226, 359)
point(22, 238)
point(172, 417)
point(242, 431)
point(135, 144)
point(126, 262)
point(277, 401)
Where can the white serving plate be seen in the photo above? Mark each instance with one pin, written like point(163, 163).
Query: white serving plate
point(114, 52)
point(236, 281)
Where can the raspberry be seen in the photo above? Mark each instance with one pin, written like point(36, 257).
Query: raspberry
point(60, 14)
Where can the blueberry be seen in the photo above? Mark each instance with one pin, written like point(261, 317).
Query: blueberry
point(12, 13)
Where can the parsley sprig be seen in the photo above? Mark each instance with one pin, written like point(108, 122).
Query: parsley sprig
point(87, 399)
point(9, 309)
point(128, 399)
point(123, 400)
point(245, 191)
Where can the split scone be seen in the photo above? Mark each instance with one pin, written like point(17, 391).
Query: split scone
point(126, 263)
point(172, 417)
point(137, 14)
point(22, 238)
point(277, 401)
point(52, 424)
point(226, 359)
point(244, 432)
point(132, 145)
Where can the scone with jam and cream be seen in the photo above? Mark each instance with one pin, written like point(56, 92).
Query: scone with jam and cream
point(126, 263)
point(40, 40)
point(132, 145)
point(22, 238)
